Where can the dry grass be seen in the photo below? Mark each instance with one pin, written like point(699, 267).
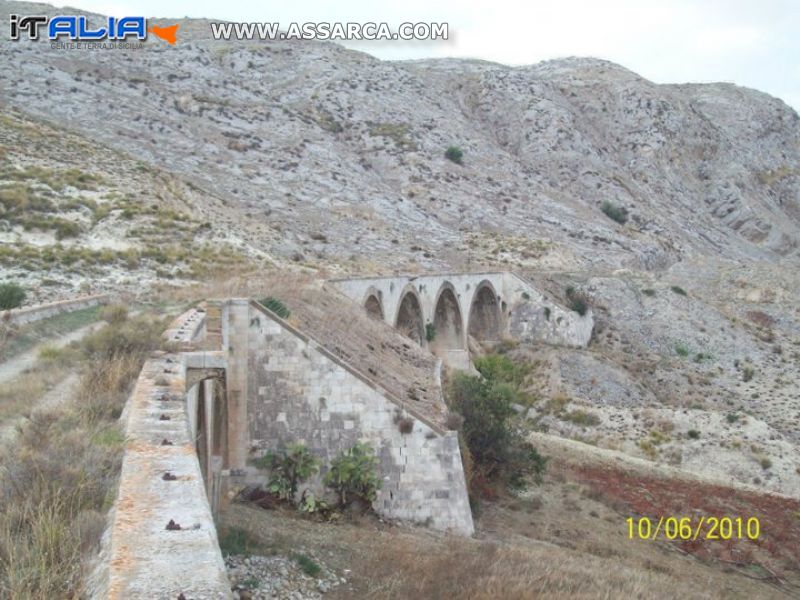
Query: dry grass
point(17, 395)
point(552, 547)
point(58, 480)
point(487, 570)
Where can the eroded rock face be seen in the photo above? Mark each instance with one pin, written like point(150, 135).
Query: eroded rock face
point(300, 138)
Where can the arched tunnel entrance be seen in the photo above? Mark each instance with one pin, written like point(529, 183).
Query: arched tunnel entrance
point(484, 315)
point(447, 322)
point(209, 425)
point(374, 307)
point(409, 318)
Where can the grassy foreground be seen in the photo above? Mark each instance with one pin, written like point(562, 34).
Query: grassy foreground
point(58, 478)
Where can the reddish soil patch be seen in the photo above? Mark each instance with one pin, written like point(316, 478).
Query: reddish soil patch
point(777, 548)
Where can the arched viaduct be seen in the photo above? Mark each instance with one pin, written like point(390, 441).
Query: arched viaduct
point(441, 312)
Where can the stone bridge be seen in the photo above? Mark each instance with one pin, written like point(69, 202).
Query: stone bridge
point(444, 312)
point(241, 381)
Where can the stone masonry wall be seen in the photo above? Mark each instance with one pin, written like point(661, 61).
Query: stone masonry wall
point(298, 392)
point(29, 314)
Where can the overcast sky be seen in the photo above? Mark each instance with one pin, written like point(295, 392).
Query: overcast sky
point(755, 43)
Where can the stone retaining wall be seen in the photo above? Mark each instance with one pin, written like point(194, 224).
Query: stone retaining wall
point(298, 392)
point(29, 314)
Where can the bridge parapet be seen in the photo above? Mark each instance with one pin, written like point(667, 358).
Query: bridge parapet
point(162, 542)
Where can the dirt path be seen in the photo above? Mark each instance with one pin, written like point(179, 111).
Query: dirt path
point(17, 365)
point(61, 392)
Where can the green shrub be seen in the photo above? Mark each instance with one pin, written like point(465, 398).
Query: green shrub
point(66, 229)
point(678, 290)
point(693, 434)
point(614, 212)
point(649, 292)
point(498, 367)
point(11, 295)
point(307, 564)
point(582, 417)
point(430, 332)
point(135, 337)
point(354, 475)
point(455, 154)
point(485, 406)
point(288, 468)
point(682, 350)
point(276, 306)
point(578, 302)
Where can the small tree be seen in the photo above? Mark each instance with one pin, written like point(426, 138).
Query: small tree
point(485, 403)
point(455, 154)
point(288, 468)
point(11, 295)
point(354, 475)
point(486, 408)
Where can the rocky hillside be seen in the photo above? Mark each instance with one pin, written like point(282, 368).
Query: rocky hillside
point(328, 157)
point(675, 209)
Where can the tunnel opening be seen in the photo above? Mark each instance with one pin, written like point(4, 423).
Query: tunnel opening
point(484, 315)
point(374, 307)
point(209, 424)
point(409, 318)
point(447, 322)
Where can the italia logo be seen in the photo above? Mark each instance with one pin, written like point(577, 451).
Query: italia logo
point(77, 28)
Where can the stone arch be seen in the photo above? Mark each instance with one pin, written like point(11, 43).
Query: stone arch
point(410, 321)
point(447, 320)
point(373, 304)
point(484, 314)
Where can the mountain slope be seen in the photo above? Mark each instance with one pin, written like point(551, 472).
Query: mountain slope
point(332, 156)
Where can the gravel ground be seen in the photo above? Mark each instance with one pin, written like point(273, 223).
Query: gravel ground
point(261, 577)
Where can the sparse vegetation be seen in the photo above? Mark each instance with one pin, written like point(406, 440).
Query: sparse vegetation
point(678, 290)
point(454, 154)
point(430, 332)
point(307, 564)
point(12, 295)
point(500, 368)
point(288, 468)
point(233, 540)
point(494, 446)
point(582, 417)
point(682, 350)
point(615, 212)
point(58, 478)
point(276, 306)
point(578, 301)
point(354, 475)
